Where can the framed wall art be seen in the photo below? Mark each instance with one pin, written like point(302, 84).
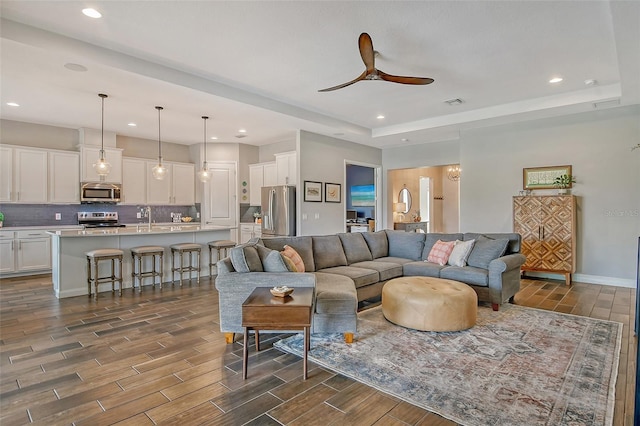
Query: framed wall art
point(332, 192)
point(312, 191)
point(543, 177)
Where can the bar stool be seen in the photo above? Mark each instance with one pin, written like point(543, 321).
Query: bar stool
point(218, 245)
point(94, 278)
point(181, 249)
point(137, 256)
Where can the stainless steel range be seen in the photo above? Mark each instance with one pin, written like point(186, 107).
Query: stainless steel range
point(99, 220)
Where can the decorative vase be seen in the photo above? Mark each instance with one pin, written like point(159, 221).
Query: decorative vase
point(563, 191)
point(418, 219)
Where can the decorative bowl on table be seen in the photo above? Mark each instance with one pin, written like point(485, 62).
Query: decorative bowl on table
point(282, 291)
point(187, 219)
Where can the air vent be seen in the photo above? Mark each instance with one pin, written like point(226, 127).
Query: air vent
point(606, 104)
point(241, 136)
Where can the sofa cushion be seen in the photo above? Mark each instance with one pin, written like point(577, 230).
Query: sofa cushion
point(467, 274)
point(485, 250)
point(294, 258)
point(335, 294)
point(378, 243)
point(387, 270)
point(328, 252)
point(390, 259)
point(272, 260)
point(302, 245)
point(431, 239)
point(513, 237)
point(422, 269)
point(440, 252)
point(245, 258)
point(460, 253)
point(408, 245)
point(355, 247)
point(360, 276)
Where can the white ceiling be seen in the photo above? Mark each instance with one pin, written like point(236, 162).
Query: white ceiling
point(259, 65)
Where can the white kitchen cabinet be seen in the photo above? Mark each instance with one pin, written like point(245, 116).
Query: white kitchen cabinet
point(286, 168)
point(64, 177)
point(183, 185)
point(90, 155)
point(134, 181)
point(178, 186)
point(25, 251)
point(249, 231)
point(34, 251)
point(6, 174)
point(7, 257)
point(30, 174)
point(260, 174)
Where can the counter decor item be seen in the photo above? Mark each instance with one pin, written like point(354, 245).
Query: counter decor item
point(281, 291)
point(1, 219)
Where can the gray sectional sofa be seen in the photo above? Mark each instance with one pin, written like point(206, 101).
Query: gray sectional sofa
point(348, 268)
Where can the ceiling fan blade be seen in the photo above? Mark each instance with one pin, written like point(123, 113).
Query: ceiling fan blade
point(360, 77)
point(404, 80)
point(366, 51)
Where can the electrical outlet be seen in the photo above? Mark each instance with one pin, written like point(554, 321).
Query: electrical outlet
point(197, 215)
point(317, 215)
point(138, 215)
point(58, 216)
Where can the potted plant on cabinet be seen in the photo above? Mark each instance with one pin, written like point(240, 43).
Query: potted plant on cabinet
point(1, 219)
point(563, 182)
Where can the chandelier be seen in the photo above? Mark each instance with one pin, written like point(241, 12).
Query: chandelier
point(453, 173)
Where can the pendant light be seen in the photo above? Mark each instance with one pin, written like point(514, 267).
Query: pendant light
point(203, 174)
point(159, 171)
point(102, 166)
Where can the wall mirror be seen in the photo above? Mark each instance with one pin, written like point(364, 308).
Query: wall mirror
point(405, 197)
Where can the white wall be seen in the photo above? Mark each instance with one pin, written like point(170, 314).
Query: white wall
point(322, 159)
point(598, 146)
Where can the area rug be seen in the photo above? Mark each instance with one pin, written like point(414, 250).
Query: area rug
point(517, 366)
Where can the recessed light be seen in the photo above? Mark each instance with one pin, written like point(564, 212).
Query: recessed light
point(404, 140)
point(92, 13)
point(13, 104)
point(380, 117)
point(75, 67)
point(591, 82)
point(132, 124)
point(215, 138)
point(555, 80)
point(242, 131)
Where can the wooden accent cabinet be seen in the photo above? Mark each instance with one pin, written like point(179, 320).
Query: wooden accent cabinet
point(547, 225)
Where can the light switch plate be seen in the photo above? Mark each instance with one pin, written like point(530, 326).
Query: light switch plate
point(58, 216)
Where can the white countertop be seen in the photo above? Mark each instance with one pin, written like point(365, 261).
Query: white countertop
point(142, 229)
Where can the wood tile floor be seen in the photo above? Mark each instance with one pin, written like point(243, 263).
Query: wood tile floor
point(158, 358)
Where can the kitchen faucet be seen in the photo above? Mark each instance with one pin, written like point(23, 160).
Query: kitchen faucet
point(147, 213)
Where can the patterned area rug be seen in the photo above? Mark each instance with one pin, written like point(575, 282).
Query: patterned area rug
point(518, 366)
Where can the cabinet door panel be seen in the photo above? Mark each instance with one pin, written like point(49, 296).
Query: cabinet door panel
point(31, 176)
point(7, 258)
point(6, 174)
point(64, 177)
point(134, 181)
point(158, 191)
point(34, 254)
point(183, 184)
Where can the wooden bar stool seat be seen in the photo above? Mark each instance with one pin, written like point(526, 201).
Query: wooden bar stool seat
point(93, 273)
point(137, 256)
point(219, 245)
point(180, 250)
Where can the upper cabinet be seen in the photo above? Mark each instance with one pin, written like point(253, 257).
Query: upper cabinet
point(286, 168)
point(177, 188)
point(90, 155)
point(64, 177)
point(260, 174)
point(39, 176)
point(30, 173)
point(134, 181)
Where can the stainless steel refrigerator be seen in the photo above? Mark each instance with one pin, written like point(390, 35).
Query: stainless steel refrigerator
point(278, 210)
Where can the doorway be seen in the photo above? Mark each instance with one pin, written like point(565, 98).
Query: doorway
point(425, 201)
point(362, 197)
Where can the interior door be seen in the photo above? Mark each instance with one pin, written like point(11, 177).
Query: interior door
point(221, 202)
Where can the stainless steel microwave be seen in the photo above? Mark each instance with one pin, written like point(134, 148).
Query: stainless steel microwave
point(98, 192)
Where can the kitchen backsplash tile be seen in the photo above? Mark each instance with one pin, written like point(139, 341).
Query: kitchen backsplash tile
point(45, 214)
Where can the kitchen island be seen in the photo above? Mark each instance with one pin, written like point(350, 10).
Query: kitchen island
point(69, 262)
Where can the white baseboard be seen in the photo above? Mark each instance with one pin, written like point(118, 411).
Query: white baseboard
point(589, 279)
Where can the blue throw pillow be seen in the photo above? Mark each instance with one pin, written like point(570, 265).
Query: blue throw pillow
point(485, 250)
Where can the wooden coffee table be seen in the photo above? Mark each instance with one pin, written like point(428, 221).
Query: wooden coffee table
point(264, 311)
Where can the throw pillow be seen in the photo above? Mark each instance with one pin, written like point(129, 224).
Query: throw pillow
point(294, 256)
point(245, 259)
point(440, 252)
point(460, 253)
point(272, 260)
point(485, 250)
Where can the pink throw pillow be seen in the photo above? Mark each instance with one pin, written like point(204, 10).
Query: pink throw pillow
point(294, 256)
point(440, 252)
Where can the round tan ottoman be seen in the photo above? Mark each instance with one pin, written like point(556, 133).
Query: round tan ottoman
point(429, 304)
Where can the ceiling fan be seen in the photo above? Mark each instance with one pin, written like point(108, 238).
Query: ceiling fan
point(372, 73)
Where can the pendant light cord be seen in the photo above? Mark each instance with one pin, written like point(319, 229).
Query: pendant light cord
point(159, 108)
point(205, 118)
point(102, 95)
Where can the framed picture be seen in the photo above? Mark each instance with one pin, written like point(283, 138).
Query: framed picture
point(312, 191)
point(332, 193)
point(543, 177)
